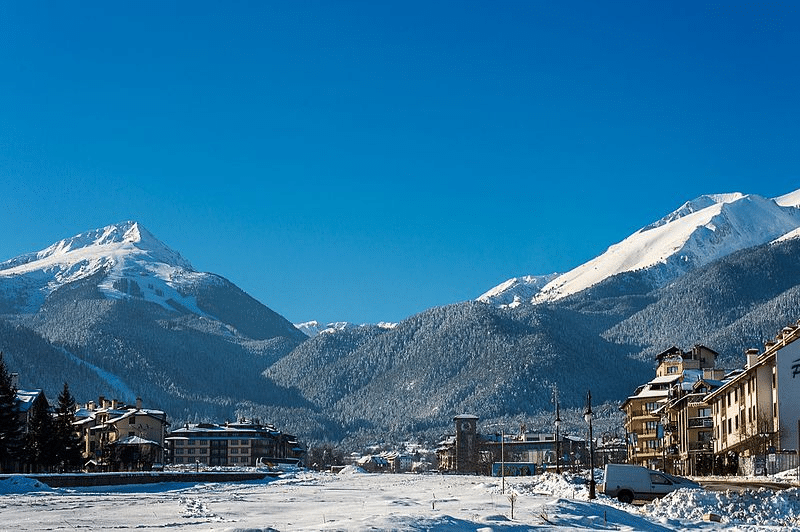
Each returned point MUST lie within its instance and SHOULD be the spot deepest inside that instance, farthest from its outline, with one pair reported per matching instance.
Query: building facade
(119, 436)
(245, 443)
(647, 422)
(756, 413)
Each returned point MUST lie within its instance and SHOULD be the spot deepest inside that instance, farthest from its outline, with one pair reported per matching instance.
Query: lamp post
(503, 459)
(557, 423)
(588, 417)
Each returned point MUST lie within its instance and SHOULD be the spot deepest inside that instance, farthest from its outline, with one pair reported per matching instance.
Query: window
(651, 406)
(132, 420)
(655, 478)
(651, 426)
(234, 450)
(202, 442)
(179, 460)
(131, 433)
(703, 412)
(672, 369)
(178, 451)
(191, 451)
(729, 426)
(652, 444)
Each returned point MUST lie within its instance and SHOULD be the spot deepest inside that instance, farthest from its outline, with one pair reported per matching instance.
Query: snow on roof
(665, 379)
(26, 398)
(648, 392)
(134, 440)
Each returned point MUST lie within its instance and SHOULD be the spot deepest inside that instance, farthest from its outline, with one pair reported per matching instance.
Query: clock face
(465, 425)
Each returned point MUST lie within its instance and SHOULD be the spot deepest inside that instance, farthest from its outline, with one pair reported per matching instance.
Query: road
(740, 485)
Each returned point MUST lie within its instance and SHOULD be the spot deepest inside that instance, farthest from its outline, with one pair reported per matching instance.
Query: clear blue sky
(365, 161)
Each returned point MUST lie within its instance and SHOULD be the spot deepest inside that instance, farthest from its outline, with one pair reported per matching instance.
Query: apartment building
(245, 443)
(756, 413)
(121, 436)
(689, 426)
(647, 422)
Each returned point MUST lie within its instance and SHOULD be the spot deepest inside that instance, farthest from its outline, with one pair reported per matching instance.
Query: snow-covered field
(354, 500)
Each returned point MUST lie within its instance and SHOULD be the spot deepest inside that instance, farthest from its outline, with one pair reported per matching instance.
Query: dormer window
(672, 369)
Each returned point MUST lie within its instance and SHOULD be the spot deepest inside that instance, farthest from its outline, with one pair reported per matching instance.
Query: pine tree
(40, 443)
(68, 442)
(10, 424)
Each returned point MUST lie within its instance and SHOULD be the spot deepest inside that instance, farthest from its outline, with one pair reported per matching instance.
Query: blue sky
(365, 161)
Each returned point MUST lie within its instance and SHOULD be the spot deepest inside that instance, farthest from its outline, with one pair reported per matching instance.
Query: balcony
(701, 446)
(701, 422)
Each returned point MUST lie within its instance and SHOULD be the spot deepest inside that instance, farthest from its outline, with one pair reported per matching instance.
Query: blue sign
(513, 469)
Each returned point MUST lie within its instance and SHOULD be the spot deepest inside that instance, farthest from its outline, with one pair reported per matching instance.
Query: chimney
(114, 404)
(101, 402)
(138, 403)
(15, 381)
(752, 357)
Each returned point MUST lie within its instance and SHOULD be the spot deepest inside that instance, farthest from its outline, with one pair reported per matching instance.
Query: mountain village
(693, 417)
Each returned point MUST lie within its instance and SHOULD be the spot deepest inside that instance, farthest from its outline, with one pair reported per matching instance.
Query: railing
(701, 422)
(701, 446)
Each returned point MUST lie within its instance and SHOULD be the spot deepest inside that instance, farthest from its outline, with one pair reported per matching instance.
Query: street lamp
(557, 423)
(503, 459)
(588, 417)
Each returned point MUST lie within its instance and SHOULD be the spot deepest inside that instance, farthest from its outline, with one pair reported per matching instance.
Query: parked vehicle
(632, 482)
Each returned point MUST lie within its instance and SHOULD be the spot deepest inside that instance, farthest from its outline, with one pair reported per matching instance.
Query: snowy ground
(357, 501)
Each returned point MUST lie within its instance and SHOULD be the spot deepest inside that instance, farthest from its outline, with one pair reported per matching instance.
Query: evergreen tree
(68, 442)
(10, 424)
(40, 442)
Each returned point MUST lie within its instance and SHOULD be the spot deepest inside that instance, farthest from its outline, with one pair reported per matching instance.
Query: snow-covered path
(360, 502)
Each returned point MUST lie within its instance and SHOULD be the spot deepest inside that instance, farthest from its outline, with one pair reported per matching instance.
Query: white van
(632, 482)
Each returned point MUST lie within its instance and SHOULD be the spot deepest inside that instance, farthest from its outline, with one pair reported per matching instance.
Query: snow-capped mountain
(130, 260)
(698, 233)
(115, 311)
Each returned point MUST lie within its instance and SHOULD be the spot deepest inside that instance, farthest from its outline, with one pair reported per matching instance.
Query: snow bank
(19, 484)
(352, 470)
(761, 507)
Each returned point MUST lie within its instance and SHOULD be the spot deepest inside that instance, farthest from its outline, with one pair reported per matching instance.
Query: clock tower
(466, 443)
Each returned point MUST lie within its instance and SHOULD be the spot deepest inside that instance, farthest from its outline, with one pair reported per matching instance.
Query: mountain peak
(125, 252)
(120, 238)
(698, 204)
(698, 232)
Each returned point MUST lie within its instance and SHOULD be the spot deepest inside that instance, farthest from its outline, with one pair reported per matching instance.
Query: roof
(134, 440)
(465, 416)
(26, 398)
(666, 379)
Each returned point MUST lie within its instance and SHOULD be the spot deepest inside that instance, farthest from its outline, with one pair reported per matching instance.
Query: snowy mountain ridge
(131, 261)
(700, 231)
(314, 328)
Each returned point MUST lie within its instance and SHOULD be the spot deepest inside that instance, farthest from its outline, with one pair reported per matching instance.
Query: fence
(762, 465)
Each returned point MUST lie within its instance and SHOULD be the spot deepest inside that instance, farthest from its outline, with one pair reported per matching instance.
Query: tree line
(41, 439)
